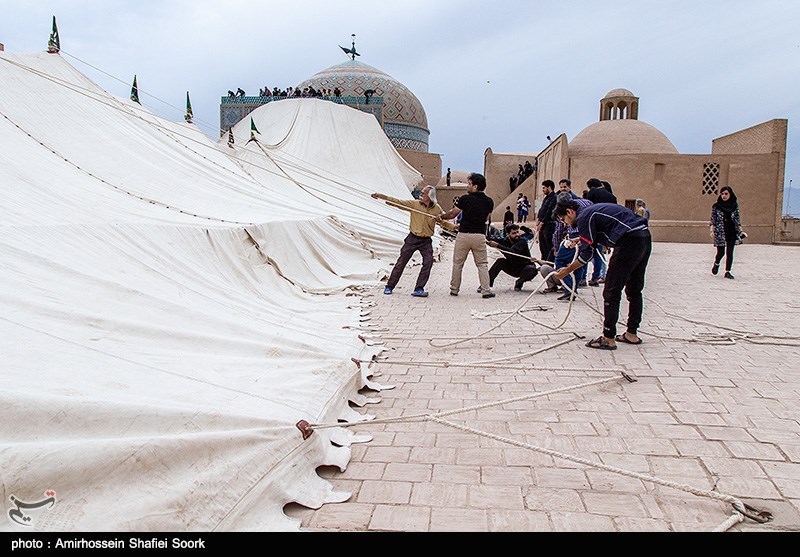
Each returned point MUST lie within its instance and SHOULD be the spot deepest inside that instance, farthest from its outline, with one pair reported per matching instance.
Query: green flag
(135, 91)
(253, 127)
(188, 116)
(54, 44)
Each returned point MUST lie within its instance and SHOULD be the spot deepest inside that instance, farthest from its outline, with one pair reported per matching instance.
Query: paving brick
(581, 522)
(459, 520)
(552, 499)
(373, 491)
(495, 497)
(506, 475)
(614, 504)
(518, 521)
(456, 474)
(352, 517)
(400, 519)
(439, 495)
(408, 472)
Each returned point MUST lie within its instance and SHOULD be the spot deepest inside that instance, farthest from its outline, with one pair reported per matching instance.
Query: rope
(445, 365)
(421, 417)
(715, 495)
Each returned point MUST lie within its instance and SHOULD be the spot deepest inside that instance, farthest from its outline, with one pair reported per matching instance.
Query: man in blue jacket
(612, 225)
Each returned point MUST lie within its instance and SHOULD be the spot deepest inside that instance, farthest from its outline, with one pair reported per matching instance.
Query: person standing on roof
(421, 229)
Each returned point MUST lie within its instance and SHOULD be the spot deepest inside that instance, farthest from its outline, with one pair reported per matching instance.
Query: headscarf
(730, 205)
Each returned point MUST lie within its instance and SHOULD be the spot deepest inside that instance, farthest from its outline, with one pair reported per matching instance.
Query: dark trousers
(626, 270)
(522, 274)
(413, 243)
(546, 241)
(723, 250)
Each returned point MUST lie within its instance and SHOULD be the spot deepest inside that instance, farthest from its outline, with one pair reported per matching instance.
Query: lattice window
(711, 178)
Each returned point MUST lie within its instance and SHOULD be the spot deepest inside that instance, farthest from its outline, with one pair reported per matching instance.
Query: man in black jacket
(598, 193)
(475, 208)
(516, 260)
(547, 225)
(612, 225)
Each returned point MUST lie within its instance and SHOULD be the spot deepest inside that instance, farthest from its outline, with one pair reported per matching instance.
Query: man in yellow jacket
(421, 229)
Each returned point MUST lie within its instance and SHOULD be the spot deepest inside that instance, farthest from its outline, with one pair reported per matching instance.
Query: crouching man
(516, 260)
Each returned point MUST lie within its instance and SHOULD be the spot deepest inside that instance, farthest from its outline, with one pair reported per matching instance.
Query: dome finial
(351, 51)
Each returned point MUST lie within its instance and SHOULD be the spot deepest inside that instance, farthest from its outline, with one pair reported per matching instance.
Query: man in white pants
(475, 208)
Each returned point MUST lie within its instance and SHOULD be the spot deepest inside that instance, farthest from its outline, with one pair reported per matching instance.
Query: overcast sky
(502, 74)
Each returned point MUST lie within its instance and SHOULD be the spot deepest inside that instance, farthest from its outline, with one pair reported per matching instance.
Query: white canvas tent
(170, 307)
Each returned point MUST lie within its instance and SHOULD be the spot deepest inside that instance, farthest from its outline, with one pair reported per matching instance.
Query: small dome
(618, 93)
(457, 177)
(620, 137)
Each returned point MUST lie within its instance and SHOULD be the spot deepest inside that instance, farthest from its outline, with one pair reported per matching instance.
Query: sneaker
(489, 295)
(478, 290)
(454, 293)
(594, 282)
(419, 293)
(715, 269)
(387, 290)
(728, 275)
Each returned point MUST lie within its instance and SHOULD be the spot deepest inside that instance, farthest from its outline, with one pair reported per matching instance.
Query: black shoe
(453, 293)
(565, 297)
(728, 275)
(715, 269)
(488, 295)
(517, 288)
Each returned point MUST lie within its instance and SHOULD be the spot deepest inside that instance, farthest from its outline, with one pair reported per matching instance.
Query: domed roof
(400, 105)
(620, 137)
(457, 177)
(618, 93)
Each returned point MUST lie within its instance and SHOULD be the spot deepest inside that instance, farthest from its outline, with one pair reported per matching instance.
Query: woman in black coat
(726, 229)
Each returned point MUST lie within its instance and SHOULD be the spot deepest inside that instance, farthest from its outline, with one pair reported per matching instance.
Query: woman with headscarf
(726, 229)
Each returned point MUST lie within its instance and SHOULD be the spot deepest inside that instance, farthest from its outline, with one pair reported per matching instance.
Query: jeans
(564, 257)
(599, 266)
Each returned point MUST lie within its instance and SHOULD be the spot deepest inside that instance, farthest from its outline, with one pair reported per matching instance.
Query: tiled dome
(620, 137)
(404, 118)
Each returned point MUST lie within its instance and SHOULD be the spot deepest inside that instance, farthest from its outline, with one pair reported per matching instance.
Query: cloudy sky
(502, 74)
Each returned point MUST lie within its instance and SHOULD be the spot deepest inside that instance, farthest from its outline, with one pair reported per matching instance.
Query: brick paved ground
(724, 417)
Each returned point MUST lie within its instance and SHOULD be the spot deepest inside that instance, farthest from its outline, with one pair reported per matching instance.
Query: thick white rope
(427, 416)
(736, 517)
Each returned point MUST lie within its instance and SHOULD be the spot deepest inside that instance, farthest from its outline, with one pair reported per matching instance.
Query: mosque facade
(640, 162)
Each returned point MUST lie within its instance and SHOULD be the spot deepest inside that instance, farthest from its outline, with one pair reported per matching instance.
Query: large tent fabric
(305, 148)
(171, 308)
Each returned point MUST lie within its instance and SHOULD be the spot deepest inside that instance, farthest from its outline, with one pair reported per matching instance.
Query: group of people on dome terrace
(305, 92)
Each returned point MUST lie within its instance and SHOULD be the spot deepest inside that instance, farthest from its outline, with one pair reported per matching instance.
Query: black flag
(54, 44)
(188, 116)
(135, 91)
